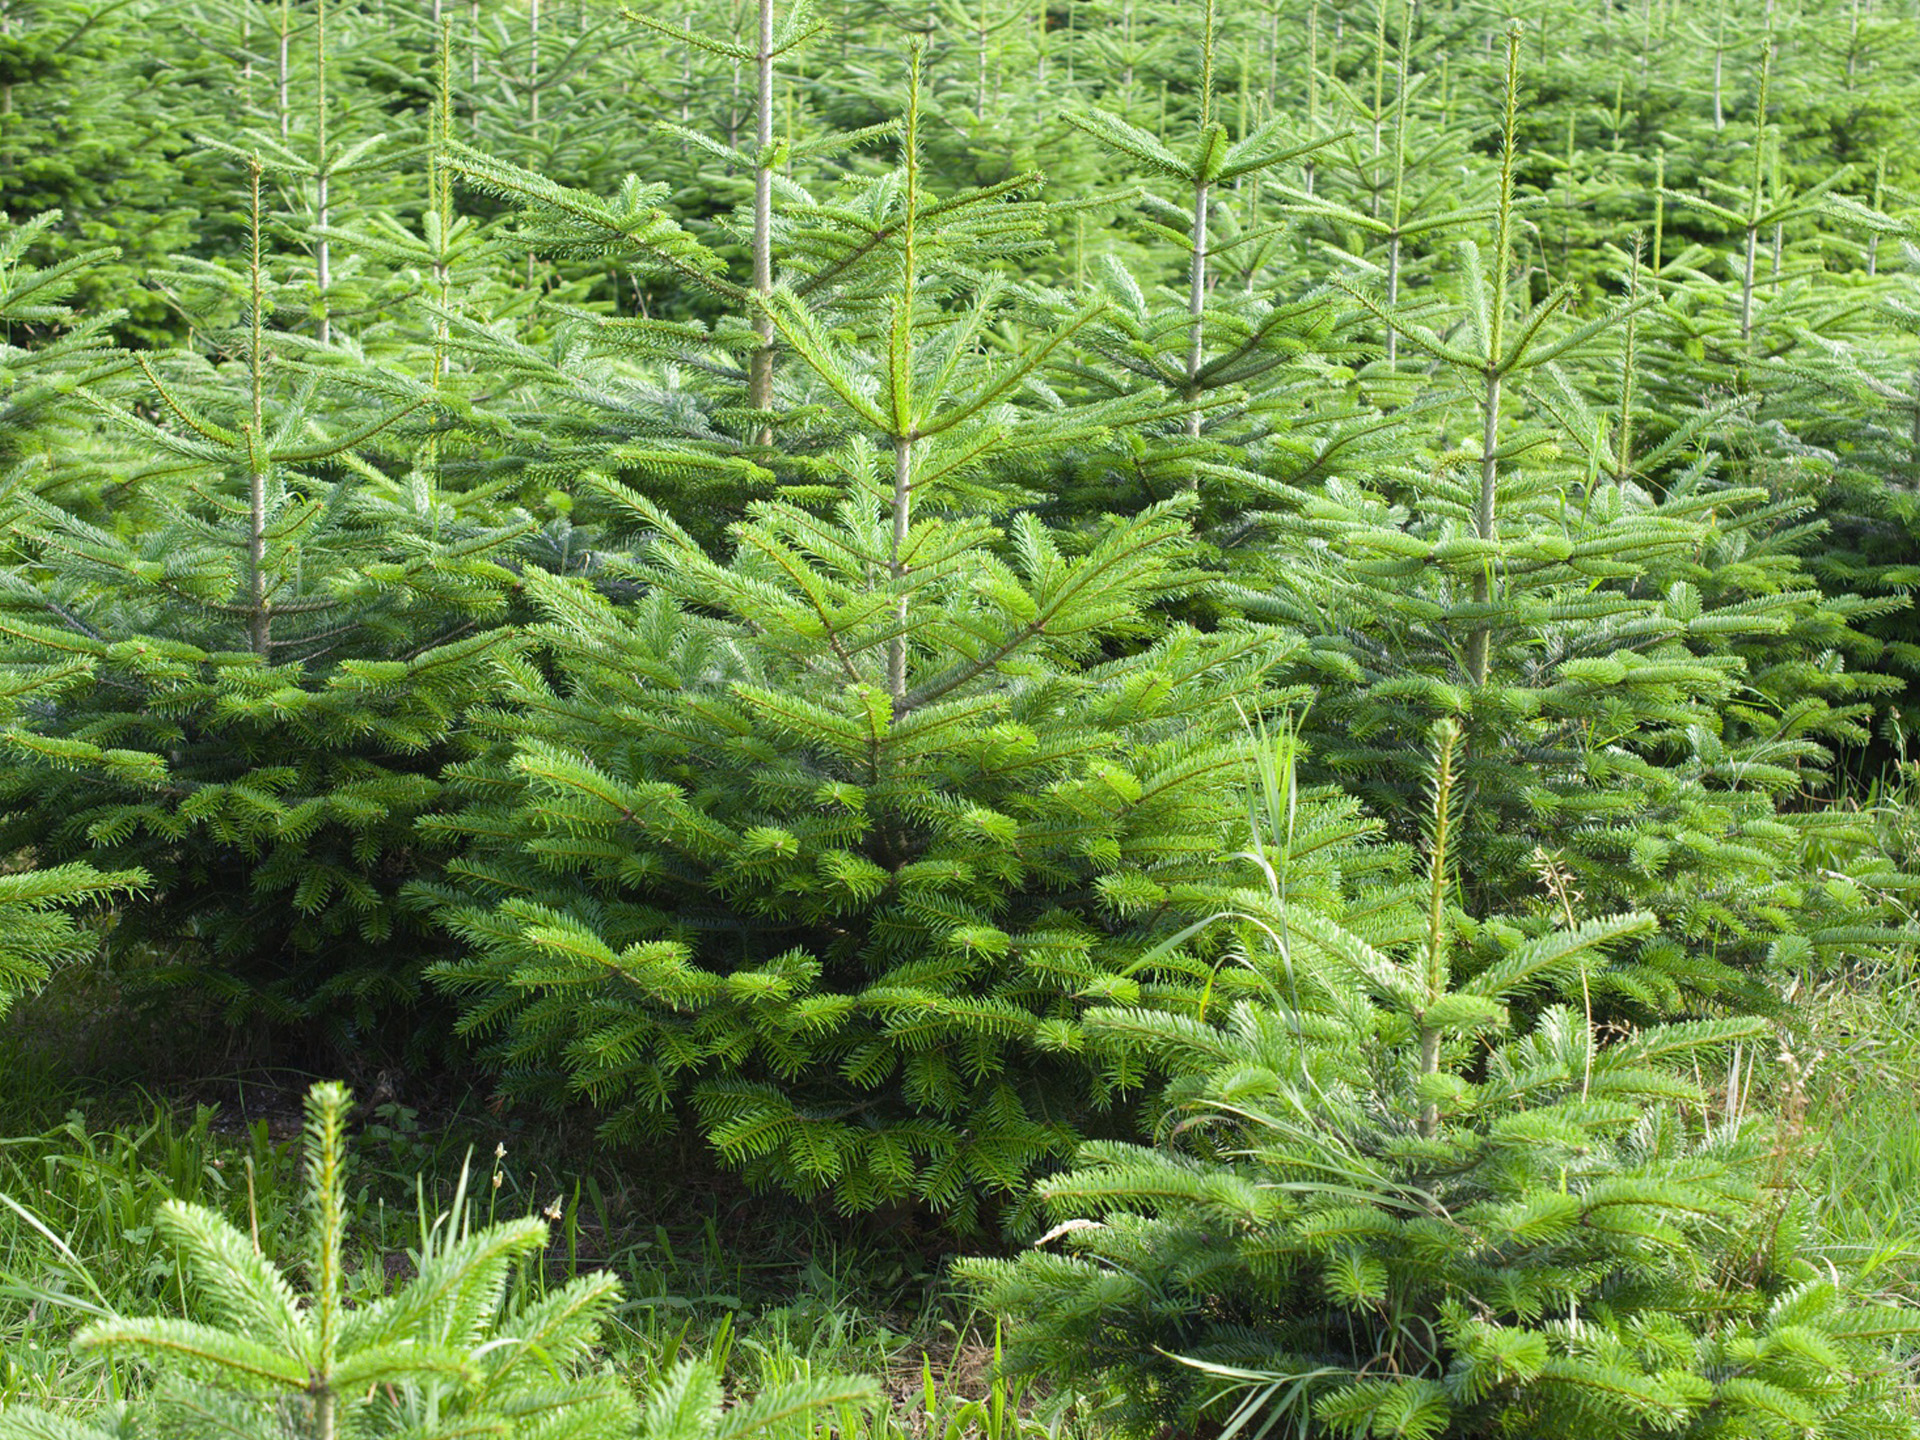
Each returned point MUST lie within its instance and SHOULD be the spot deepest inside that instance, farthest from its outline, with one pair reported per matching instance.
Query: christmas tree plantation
(750, 543)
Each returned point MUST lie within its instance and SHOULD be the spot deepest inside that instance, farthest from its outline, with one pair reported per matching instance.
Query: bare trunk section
(1486, 504)
(902, 522)
(904, 420)
(1756, 201)
(1915, 433)
(1398, 205)
(1197, 305)
(323, 258)
(1040, 48)
(760, 363)
(1197, 273)
(686, 78)
(1485, 510)
(980, 75)
(1746, 284)
(441, 194)
(1313, 90)
(323, 182)
(260, 616)
(1623, 431)
(1659, 206)
(1436, 977)
(1393, 296)
(533, 67)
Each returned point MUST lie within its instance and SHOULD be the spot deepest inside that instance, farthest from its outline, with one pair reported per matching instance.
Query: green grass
(766, 1291)
(1858, 1153)
(1849, 1083)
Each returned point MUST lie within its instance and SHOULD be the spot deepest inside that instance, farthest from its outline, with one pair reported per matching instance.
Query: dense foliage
(1381, 1208)
(749, 553)
(242, 681)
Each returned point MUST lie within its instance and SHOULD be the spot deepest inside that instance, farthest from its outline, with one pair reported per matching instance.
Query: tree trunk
(760, 363)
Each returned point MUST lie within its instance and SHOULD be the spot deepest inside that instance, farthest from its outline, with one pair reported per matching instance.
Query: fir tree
(837, 837)
(37, 930)
(1378, 1209)
(455, 1350)
(38, 934)
(1259, 338)
(96, 127)
(241, 676)
(47, 351)
(1593, 625)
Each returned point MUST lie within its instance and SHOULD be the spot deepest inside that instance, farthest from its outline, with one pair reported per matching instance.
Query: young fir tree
(1243, 350)
(1272, 358)
(241, 672)
(835, 838)
(1380, 1208)
(1642, 685)
(47, 352)
(313, 139)
(457, 1349)
(1386, 199)
(1816, 362)
(604, 394)
(682, 404)
(1868, 432)
(37, 930)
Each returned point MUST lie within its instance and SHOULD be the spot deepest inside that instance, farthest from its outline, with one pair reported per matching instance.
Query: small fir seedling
(455, 1350)
(445, 1353)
